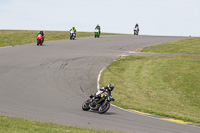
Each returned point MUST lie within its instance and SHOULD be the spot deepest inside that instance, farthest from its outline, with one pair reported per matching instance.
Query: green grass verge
(184, 46)
(17, 125)
(16, 37)
(162, 85)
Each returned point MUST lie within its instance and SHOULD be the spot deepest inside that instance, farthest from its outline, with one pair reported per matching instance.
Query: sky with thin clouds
(155, 17)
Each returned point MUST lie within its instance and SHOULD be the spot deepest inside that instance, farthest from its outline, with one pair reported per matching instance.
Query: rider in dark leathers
(97, 96)
(137, 27)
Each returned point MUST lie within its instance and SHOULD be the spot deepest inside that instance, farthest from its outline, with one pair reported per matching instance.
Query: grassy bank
(162, 85)
(16, 37)
(185, 46)
(17, 125)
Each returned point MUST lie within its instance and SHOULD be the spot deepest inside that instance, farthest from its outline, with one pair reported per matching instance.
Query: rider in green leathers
(99, 28)
(74, 29)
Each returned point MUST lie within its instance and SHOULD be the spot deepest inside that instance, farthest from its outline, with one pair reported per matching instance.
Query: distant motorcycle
(135, 31)
(39, 39)
(101, 107)
(96, 33)
(72, 35)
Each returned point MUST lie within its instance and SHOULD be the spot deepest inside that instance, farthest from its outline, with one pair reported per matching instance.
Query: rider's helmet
(111, 87)
(98, 25)
(73, 28)
(41, 32)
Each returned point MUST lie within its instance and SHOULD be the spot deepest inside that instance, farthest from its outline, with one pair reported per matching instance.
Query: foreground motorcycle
(39, 39)
(96, 33)
(72, 35)
(102, 107)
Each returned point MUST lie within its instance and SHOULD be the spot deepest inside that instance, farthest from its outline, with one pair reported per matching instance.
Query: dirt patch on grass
(119, 58)
(138, 50)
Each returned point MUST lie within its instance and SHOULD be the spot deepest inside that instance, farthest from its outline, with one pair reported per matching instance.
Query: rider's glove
(91, 96)
(111, 98)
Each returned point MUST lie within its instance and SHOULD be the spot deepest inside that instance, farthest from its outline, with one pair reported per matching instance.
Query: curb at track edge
(146, 114)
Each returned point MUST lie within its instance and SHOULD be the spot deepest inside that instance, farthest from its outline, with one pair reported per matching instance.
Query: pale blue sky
(155, 17)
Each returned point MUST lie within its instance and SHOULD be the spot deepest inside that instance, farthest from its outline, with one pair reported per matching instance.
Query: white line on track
(6, 47)
(11, 46)
(98, 79)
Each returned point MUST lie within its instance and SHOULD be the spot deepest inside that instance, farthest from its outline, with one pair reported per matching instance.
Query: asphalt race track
(49, 83)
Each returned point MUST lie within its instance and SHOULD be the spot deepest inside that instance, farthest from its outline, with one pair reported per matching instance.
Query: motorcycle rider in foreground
(74, 29)
(97, 96)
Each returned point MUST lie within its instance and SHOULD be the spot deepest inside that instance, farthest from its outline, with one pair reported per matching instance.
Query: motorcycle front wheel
(85, 105)
(104, 108)
(38, 42)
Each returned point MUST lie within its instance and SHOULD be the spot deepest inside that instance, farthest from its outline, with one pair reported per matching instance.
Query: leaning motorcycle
(39, 39)
(96, 33)
(72, 35)
(101, 107)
